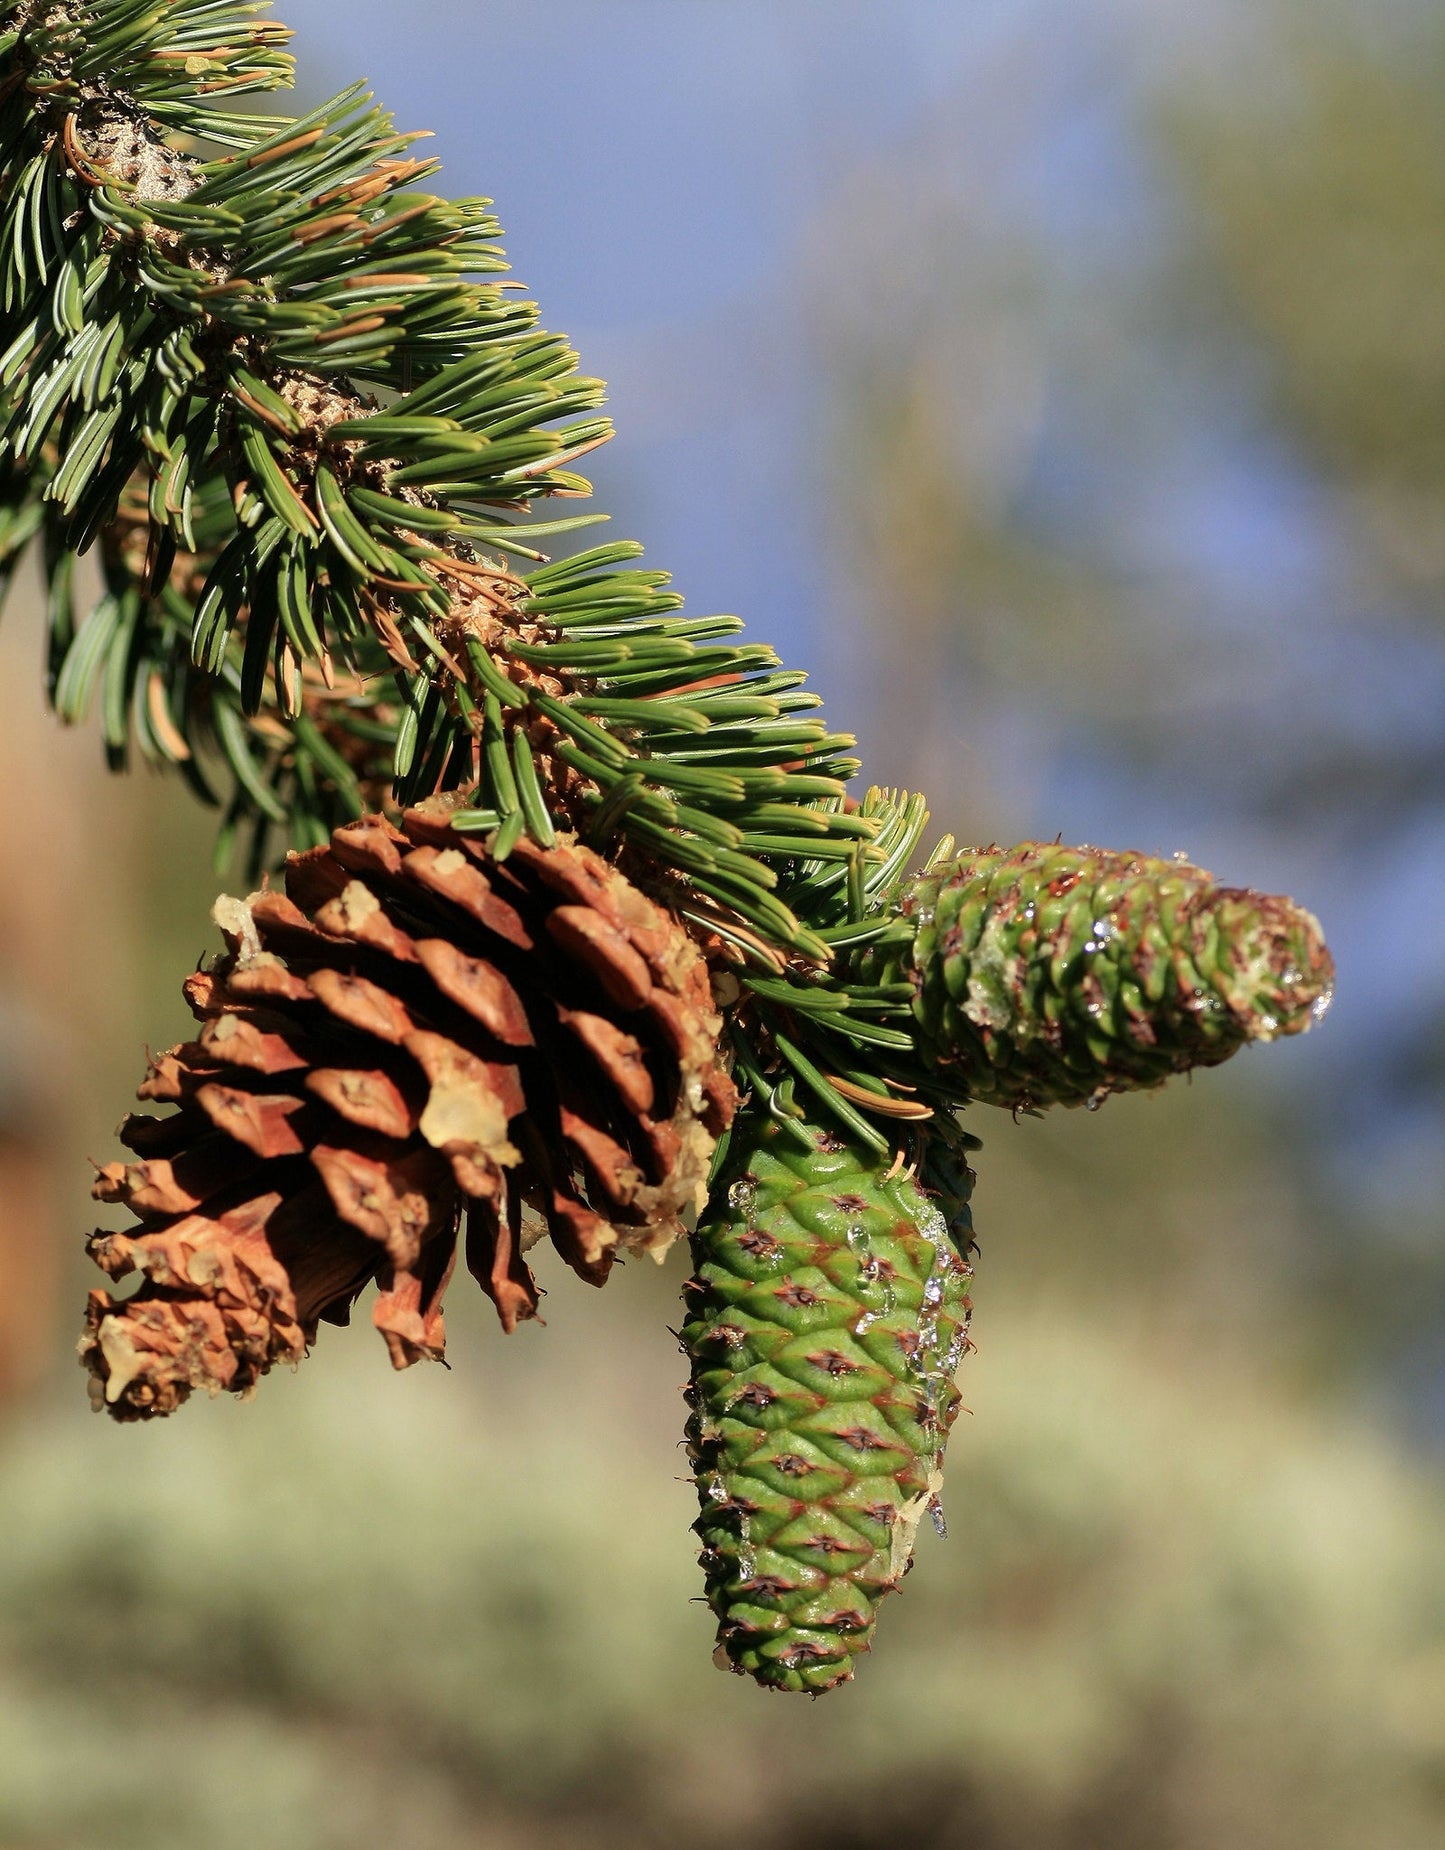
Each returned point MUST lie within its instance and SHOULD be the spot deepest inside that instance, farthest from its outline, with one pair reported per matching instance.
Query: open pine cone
(412, 1034)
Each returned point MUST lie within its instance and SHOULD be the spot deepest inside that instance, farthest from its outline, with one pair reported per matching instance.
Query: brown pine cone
(411, 1035)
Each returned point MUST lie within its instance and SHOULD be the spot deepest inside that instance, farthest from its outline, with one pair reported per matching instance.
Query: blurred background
(1065, 386)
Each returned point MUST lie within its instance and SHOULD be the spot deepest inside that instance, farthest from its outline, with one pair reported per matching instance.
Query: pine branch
(285, 394)
(287, 351)
(271, 387)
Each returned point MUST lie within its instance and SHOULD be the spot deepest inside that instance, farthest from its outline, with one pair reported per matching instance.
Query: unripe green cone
(827, 1316)
(1046, 975)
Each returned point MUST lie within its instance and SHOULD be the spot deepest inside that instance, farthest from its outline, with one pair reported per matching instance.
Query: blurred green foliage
(1322, 196)
(1175, 1608)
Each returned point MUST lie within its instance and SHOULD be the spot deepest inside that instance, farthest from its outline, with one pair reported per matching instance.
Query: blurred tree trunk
(68, 940)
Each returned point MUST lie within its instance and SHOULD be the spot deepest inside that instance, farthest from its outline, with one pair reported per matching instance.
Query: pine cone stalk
(412, 1037)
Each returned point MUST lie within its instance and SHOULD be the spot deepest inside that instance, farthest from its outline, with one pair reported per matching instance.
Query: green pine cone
(827, 1316)
(1045, 975)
